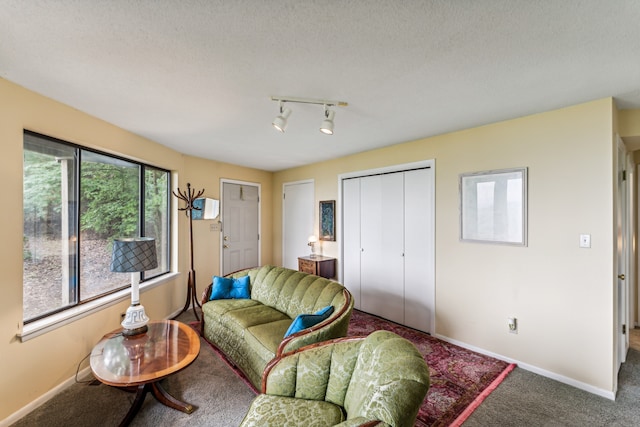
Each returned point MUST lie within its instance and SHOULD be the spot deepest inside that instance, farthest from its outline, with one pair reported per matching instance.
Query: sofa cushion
(304, 321)
(266, 338)
(241, 319)
(230, 288)
(277, 411)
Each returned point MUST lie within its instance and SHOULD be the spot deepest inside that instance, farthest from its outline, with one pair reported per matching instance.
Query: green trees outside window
(76, 201)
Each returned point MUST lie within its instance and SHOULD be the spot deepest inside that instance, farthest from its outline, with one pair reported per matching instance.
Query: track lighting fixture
(280, 122)
(327, 124)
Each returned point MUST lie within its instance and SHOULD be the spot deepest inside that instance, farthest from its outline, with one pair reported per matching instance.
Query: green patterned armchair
(379, 380)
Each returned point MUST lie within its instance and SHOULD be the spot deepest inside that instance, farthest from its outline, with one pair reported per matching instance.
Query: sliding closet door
(382, 237)
(419, 279)
(351, 235)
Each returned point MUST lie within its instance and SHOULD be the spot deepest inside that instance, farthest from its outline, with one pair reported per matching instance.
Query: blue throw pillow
(304, 321)
(228, 288)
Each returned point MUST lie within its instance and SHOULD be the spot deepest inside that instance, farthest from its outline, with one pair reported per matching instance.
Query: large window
(76, 201)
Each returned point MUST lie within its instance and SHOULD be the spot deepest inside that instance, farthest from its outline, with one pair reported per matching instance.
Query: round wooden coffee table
(143, 360)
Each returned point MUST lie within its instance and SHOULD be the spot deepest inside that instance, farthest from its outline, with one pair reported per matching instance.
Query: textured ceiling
(197, 76)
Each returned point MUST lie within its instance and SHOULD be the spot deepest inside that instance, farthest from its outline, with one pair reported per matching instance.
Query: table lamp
(312, 242)
(133, 256)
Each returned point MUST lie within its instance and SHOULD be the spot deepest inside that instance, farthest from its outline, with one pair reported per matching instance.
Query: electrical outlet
(512, 323)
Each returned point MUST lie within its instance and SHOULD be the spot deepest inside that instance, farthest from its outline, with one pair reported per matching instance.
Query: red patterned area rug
(460, 379)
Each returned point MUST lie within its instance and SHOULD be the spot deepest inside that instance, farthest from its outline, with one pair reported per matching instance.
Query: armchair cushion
(289, 411)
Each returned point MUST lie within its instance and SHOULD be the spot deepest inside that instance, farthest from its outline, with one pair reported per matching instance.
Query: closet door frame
(430, 217)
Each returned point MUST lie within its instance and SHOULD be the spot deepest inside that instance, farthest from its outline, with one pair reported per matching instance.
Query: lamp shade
(135, 254)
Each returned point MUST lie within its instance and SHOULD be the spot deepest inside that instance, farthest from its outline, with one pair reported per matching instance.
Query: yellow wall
(206, 174)
(32, 368)
(562, 295)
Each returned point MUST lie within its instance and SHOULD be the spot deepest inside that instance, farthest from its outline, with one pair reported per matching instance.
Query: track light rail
(325, 102)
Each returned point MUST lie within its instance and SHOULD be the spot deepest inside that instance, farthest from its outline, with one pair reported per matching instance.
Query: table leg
(166, 399)
(141, 393)
(161, 396)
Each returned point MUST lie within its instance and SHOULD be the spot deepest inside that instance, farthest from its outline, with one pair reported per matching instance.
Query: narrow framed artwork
(493, 206)
(328, 220)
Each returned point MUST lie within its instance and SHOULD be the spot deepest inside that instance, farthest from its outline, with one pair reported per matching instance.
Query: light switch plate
(585, 240)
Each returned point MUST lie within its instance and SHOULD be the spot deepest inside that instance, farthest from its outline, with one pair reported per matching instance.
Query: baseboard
(536, 370)
(35, 404)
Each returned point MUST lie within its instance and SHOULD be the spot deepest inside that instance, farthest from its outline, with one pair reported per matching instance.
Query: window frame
(63, 314)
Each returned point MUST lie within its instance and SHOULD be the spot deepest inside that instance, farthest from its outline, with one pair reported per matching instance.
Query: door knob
(225, 246)
(621, 276)
(225, 238)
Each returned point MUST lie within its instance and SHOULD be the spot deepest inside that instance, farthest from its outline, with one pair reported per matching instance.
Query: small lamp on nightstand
(312, 242)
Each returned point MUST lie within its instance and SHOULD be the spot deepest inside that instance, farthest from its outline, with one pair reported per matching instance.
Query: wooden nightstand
(319, 265)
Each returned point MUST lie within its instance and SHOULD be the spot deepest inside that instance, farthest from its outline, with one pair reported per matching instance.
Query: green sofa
(250, 332)
(380, 380)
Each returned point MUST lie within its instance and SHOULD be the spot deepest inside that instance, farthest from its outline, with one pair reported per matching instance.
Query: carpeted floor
(221, 397)
(460, 378)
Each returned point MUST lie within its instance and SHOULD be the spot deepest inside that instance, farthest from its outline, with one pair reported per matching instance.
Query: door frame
(221, 242)
(624, 263)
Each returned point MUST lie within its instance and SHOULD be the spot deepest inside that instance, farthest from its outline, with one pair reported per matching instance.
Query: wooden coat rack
(189, 197)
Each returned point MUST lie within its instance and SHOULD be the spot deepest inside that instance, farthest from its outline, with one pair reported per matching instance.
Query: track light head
(327, 124)
(280, 122)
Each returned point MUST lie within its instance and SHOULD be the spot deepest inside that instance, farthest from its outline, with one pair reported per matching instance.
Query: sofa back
(293, 292)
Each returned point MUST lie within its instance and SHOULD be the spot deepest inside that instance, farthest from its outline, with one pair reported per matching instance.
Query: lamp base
(134, 332)
(135, 321)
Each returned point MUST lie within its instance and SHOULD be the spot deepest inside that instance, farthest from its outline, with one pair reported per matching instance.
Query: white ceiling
(197, 75)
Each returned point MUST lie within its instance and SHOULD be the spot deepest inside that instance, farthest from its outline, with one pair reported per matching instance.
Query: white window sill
(55, 321)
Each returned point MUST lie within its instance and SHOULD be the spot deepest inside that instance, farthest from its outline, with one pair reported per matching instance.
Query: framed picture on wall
(328, 220)
(493, 206)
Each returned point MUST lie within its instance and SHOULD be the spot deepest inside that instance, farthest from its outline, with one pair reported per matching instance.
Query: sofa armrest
(206, 294)
(334, 327)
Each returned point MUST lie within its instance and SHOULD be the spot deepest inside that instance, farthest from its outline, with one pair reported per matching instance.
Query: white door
(419, 252)
(388, 235)
(352, 247)
(382, 237)
(298, 218)
(240, 226)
